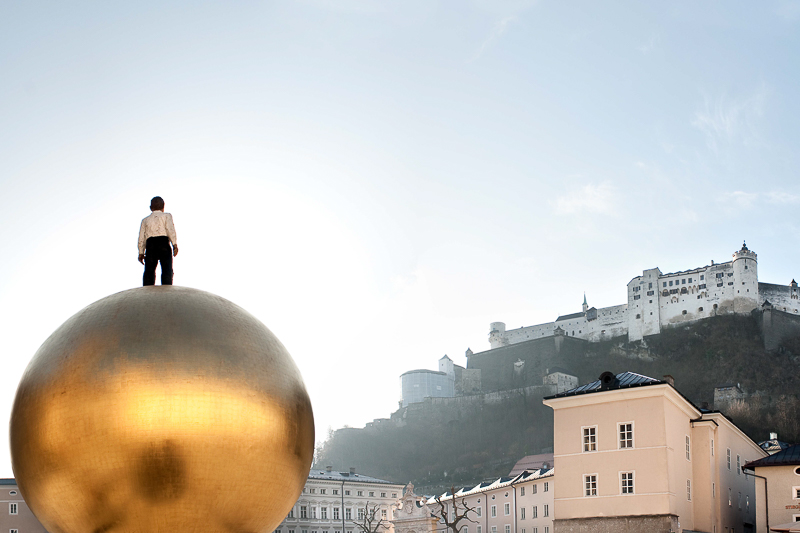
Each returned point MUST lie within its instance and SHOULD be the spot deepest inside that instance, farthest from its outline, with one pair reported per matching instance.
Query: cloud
(597, 199)
(651, 43)
(497, 31)
(728, 121)
(748, 200)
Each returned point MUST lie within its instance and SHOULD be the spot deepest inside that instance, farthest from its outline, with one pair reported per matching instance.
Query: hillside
(469, 442)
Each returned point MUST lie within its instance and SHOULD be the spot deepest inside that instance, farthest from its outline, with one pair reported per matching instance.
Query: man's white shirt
(157, 224)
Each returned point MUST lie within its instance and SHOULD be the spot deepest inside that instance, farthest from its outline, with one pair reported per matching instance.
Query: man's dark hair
(157, 203)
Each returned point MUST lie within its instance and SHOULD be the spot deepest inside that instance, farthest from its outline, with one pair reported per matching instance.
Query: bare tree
(371, 520)
(452, 520)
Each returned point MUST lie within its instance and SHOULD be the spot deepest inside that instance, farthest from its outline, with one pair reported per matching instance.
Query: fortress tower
(745, 276)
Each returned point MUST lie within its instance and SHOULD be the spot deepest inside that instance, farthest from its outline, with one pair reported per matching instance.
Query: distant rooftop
(531, 462)
(8, 481)
(567, 317)
(346, 476)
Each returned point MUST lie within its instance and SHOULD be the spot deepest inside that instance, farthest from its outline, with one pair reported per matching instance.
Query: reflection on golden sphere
(161, 409)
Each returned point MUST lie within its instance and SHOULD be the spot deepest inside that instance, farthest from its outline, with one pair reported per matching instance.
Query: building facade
(15, 516)
(777, 487)
(633, 454)
(333, 502)
(656, 300)
(513, 504)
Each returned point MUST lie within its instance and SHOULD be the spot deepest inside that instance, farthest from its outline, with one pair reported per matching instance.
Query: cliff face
(437, 444)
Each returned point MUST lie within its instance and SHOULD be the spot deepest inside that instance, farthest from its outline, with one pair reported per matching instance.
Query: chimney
(328, 469)
(773, 436)
(352, 470)
(669, 379)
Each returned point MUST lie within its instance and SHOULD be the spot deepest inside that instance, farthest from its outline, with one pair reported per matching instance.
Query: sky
(377, 181)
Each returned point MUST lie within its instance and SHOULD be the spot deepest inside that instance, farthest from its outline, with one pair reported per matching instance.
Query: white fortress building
(657, 301)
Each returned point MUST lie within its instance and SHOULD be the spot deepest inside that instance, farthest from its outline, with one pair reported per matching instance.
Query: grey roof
(789, 456)
(8, 481)
(567, 317)
(773, 445)
(347, 476)
(424, 371)
(622, 381)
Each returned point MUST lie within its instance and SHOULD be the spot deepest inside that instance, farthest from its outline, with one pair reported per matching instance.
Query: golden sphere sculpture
(161, 409)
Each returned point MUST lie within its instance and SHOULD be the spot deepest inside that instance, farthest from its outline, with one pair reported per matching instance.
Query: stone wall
(618, 524)
(777, 326)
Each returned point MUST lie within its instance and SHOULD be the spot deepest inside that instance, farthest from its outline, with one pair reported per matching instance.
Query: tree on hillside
(450, 514)
(370, 519)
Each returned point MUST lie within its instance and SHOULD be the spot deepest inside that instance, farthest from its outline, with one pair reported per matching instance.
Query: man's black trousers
(157, 249)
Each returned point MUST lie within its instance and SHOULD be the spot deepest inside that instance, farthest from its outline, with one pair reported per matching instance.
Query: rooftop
(567, 317)
(531, 462)
(8, 481)
(346, 476)
(609, 381)
(789, 456)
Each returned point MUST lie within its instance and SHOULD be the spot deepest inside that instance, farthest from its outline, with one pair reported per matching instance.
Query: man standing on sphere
(155, 235)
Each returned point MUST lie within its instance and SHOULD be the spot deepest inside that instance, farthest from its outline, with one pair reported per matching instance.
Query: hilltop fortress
(657, 301)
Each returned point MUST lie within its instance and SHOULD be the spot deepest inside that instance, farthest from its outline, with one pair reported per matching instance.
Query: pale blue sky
(377, 181)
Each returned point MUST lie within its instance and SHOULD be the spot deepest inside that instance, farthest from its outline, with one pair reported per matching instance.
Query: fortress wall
(782, 297)
(777, 326)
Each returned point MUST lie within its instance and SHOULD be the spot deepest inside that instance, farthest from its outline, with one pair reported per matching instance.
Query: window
(361, 513)
(508, 528)
(689, 489)
(522, 513)
(665, 284)
(730, 500)
(322, 491)
(713, 490)
(626, 482)
(291, 513)
(383, 494)
(478, 511)
(371, 494)
(465, 529)
(546, 529)
(729, 458)
(590, 439)
(590, 485)
(493, 512)
(740, 500)
(347, 493)
(522, 491)
(626, 435)
(383, 514)
(688, 448)
(17, 531)
(738, 465)
(546, 510)
(323, 513)
(494, 529)
(683, 282)
(535, 487)
(702, 277)
(712, 447)
(359, 493)
(480, 529)
(747, 503)
(348, 513)
(670, 283)
(335, 491)
(336, 513)
(546, 486)
(12, 492)
(313, 512)
(394, 495)
(535, 512)
(12, 508)
(507, 509)
(303, 511)
(795, 495)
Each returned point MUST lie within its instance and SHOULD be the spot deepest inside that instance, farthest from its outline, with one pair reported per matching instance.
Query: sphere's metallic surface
(161, 409)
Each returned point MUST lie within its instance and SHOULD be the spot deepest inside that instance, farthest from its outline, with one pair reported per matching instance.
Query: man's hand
(174, 251)
(141, 258)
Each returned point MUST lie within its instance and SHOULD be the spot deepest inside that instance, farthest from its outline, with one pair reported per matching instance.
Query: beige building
(777, 488)
(514, 504)
(331, 502)
(15, 517)
(634, 455)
